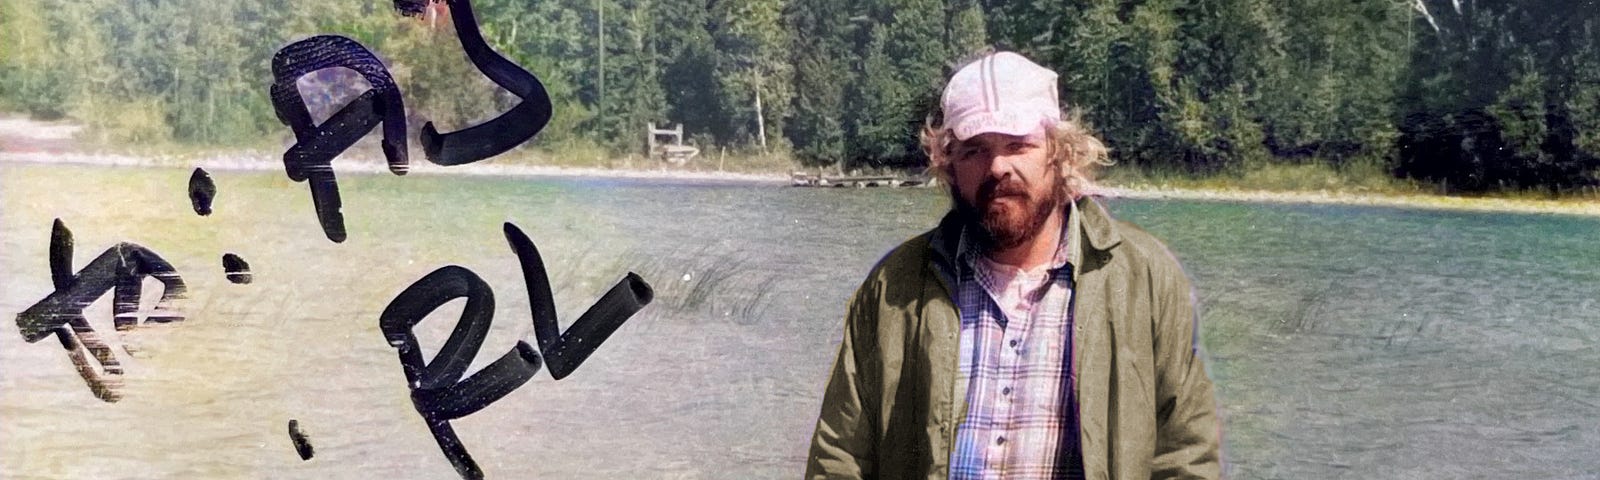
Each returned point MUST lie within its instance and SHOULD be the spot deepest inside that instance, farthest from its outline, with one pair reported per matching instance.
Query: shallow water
(1345, 341)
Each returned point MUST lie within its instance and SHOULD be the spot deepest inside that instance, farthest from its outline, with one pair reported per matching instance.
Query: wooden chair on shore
(675, 152)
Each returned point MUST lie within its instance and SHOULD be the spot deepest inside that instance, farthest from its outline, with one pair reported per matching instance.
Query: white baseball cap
(1002, 92)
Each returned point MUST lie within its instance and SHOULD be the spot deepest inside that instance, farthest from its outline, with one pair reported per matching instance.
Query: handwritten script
(438, 391)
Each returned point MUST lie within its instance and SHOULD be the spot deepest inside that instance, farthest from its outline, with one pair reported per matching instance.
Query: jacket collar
(1095, 226)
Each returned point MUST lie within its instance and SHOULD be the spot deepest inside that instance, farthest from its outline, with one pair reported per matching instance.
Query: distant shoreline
(1420, 201)
(262, 162)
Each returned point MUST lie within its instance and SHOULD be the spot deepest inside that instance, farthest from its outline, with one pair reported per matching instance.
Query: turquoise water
(1380, 342)
(1345, 341)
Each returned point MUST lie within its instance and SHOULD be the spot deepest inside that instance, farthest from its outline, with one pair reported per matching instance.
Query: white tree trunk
(761, 124)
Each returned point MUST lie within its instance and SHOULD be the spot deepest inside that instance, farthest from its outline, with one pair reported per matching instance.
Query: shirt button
(1000, 441)
(1005, 391)
(1013, 343)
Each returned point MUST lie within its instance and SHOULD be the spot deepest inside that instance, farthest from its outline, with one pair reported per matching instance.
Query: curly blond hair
(1075, 150)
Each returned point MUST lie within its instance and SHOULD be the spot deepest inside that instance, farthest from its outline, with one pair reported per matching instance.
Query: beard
(1007, 214)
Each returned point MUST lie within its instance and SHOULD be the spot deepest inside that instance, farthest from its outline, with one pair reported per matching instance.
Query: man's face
(1005, 184)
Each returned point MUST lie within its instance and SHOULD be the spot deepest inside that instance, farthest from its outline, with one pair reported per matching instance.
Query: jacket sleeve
(845, 440)
(1187, 432)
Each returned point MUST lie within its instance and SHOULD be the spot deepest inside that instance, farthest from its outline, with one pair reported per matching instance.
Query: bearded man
(1029, 334)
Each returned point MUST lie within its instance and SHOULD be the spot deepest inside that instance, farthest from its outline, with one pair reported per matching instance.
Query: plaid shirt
(1016, 355)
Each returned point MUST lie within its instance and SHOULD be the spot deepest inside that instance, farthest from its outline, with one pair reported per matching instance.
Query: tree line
(1467, 94)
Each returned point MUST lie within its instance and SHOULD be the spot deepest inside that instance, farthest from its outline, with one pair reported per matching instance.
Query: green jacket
(1146, 407)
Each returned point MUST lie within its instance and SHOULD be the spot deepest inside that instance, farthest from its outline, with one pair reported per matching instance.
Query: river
(1345, 342)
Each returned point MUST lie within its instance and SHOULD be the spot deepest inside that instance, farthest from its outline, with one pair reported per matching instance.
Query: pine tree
(752, 68)
(548, 39)
(633, 78)
(902, 72)
(820, 51)
(686, 54)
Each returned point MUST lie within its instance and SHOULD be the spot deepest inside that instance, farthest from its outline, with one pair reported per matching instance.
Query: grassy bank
(1319, 184)
(1358, 179)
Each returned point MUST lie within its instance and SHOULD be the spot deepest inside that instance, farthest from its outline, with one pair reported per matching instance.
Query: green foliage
(633, 94)
(751, 63)
(883, 106)
(1488, 98)
(965, 30)
(550, 40)
(1478, 95)
(1520, 112)
(29, 79)
(686, 53)
(439, 83)
(137, 122)
(901, 75)
(1584, 102)
(821, 46)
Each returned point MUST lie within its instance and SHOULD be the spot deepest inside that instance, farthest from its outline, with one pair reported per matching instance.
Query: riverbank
(25, 140)
(251, 161)
(1437, 202)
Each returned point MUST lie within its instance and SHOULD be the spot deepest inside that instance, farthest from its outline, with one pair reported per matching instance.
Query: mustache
(993, 188)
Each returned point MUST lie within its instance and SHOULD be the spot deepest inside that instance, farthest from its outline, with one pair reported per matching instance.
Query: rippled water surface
(1345, 342)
